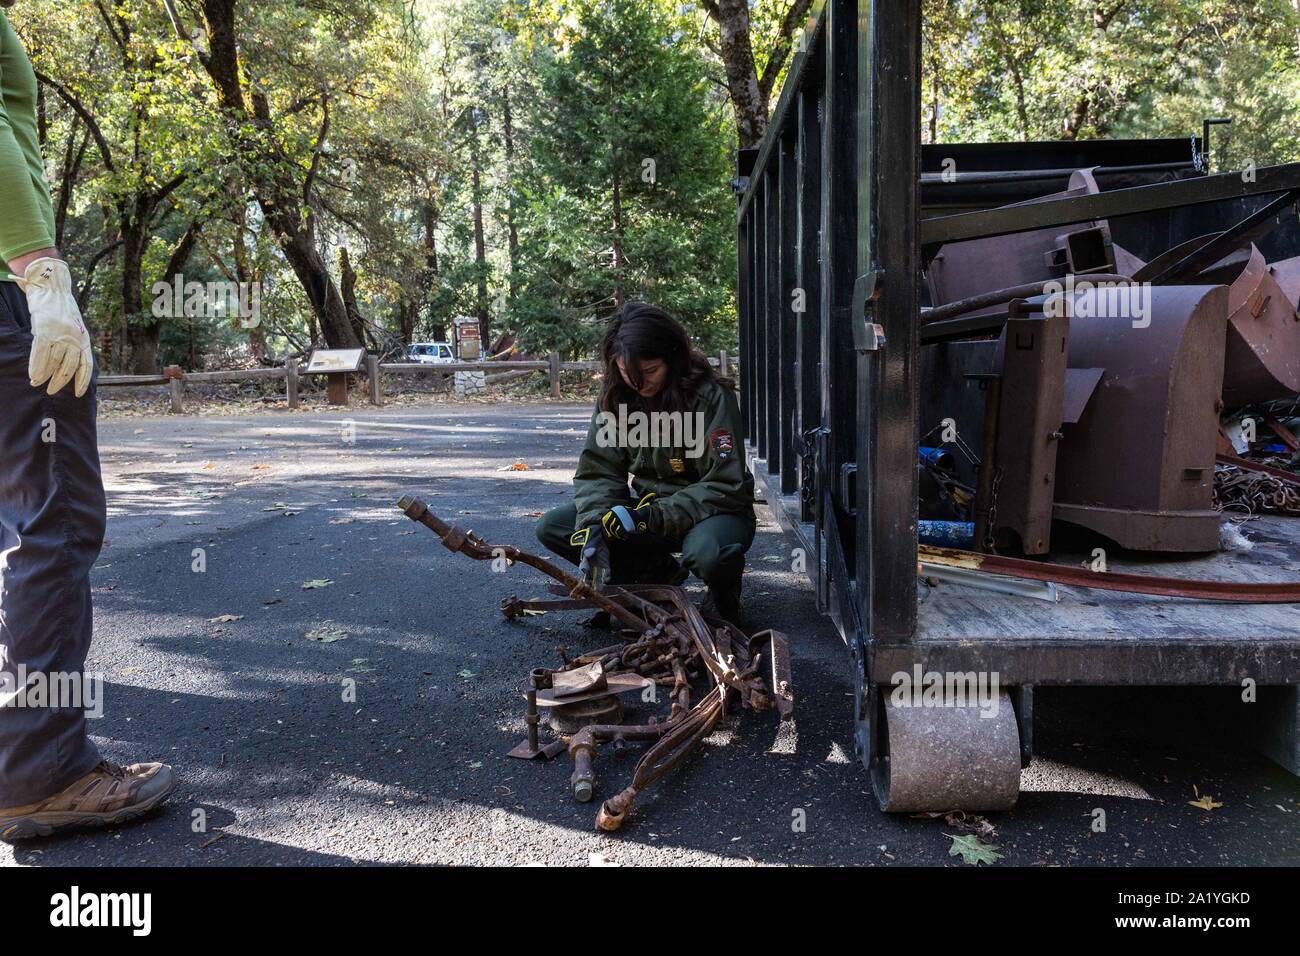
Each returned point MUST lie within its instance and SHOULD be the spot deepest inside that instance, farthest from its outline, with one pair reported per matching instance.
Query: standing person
(51, 504)
(690, 490)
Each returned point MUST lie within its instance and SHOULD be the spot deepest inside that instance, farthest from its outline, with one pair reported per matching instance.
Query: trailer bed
(1102, 637)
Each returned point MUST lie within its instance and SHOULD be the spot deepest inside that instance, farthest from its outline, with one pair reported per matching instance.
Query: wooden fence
(175, 380)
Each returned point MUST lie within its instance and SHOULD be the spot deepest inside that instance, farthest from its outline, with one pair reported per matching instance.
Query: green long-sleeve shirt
(26, 213)
(693, 482)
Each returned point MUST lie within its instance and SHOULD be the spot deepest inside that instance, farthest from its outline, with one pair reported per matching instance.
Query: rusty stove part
(1262, 354)
(667, 638)
(963, 269)
(569, 719)
(1138, 465)
(1262, 357)
(1027, 406)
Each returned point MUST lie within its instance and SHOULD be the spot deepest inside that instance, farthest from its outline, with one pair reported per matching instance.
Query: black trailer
(838, 208)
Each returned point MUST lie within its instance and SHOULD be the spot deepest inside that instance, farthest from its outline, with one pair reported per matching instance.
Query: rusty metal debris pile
(665, 643)
(1103, 386)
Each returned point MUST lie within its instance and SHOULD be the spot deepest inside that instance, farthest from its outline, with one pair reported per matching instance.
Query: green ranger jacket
(694, 463)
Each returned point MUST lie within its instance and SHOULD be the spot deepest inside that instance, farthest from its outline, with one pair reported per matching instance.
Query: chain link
(993, 512)
(1236, 489)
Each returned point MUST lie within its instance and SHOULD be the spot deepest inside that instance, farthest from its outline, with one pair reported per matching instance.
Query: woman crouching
(670, 424)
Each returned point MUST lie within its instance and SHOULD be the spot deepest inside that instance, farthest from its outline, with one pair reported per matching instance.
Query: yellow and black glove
(622, 523)
(593, 566)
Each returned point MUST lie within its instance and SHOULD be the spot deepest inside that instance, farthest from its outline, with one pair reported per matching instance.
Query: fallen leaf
(225, 618)
(465, 674)
(972, 850)
(1206, 802)
(326, 635)
(317, 583)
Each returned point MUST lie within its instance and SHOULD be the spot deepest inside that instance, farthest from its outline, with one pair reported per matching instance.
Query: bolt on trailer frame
(830, 241)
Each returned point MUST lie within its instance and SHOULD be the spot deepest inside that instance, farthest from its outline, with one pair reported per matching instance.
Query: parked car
(431, 353)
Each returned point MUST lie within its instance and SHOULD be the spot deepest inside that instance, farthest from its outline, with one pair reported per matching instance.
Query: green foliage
(626, 187)
(1082, 69)
(536, 161)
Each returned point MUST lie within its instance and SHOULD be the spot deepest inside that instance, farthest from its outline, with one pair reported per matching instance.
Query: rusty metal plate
(580, 680)
(1033, 356)
(1138, 466)
(1262, 358)
(614, 684)
(1080, 383)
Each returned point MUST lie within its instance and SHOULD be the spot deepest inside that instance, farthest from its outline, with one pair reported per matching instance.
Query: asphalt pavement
(383, 740)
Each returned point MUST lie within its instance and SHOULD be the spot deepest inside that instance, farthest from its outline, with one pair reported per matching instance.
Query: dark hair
(641, 331)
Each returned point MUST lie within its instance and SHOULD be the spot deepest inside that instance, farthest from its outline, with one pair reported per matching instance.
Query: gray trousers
(51, 530)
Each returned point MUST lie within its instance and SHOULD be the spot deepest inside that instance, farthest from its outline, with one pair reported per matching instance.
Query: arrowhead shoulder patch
(724, 444)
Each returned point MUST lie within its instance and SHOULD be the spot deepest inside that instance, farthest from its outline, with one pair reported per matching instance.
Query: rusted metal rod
(469, 544)
(1241, 592)
(986, 300)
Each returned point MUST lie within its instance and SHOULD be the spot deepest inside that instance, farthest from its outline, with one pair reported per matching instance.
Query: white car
(431, 353)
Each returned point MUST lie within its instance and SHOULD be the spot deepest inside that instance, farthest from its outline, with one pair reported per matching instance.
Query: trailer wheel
(946, 758)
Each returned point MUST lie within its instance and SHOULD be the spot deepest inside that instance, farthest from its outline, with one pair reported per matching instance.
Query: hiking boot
(106, 796)
(723, 602)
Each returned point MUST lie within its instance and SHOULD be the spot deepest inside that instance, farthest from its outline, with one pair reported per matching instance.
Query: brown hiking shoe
(106, 796)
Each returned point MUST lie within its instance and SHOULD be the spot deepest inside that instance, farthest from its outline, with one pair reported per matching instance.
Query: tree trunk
(732, 17)
(480, 246)
(283, 200)
(750, 92)
(512, 228)
(143, 327)
(348, 289)
(299, 249)
(617, 221)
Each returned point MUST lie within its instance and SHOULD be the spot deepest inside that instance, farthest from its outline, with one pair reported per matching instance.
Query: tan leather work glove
(60, 343)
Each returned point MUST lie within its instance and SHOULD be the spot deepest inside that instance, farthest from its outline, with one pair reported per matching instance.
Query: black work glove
(622, 523)
(593, 567)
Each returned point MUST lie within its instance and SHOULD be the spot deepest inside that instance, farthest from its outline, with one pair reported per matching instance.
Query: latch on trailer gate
(867, 336)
